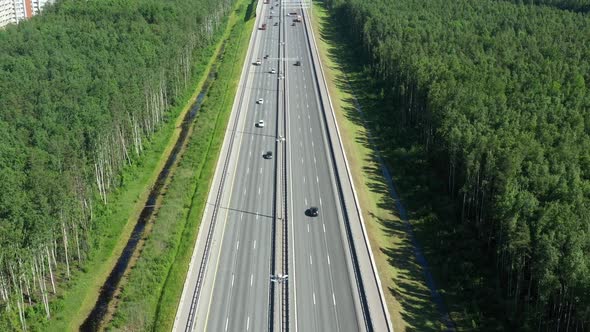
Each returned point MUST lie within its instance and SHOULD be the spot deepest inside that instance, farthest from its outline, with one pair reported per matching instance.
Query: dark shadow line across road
(243, 211)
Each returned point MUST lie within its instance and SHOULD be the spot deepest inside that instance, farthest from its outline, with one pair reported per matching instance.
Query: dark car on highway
(267, 155)
(312, 212)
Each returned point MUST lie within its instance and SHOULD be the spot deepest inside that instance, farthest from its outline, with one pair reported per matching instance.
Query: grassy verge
(115, 222)
(150, 297)
(407, 295)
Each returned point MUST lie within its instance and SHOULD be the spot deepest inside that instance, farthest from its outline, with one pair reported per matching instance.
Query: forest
(573, 5)
(82, 89)
(497, 95)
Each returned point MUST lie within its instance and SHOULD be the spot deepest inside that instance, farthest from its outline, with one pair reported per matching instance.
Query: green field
(153, 287)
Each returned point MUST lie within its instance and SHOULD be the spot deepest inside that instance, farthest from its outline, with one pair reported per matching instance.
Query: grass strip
(114, 222)
(150, 297)
(406, 293)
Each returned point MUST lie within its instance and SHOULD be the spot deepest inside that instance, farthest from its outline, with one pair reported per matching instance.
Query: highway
(235, 294)
(322, 293)
(255, 225)
(240, 299)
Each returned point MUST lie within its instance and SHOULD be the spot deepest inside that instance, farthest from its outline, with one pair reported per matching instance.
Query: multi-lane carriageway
(260, 263)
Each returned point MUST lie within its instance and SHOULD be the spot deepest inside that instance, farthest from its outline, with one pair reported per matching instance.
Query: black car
(267, 155)
(298, 63)
(312, 212)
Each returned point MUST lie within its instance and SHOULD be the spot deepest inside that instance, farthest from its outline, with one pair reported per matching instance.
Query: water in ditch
(98, 313)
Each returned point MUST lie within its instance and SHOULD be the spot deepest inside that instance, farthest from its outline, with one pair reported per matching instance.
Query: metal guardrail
(285, 262)
(276, 210)
(281, 269)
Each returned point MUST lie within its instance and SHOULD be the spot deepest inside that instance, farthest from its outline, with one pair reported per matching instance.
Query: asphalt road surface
(322, 290)
(240, 300)
(234, 290)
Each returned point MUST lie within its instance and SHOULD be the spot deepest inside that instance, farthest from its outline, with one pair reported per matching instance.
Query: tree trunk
(124, 146)
(65, 240)
(28, 288)
(42, 287)
(50, 270)
(20, 305)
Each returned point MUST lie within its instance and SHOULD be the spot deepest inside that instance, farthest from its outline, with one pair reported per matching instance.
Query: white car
(258, 62)
(273, 71)
(260, 124)
(260, 101)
